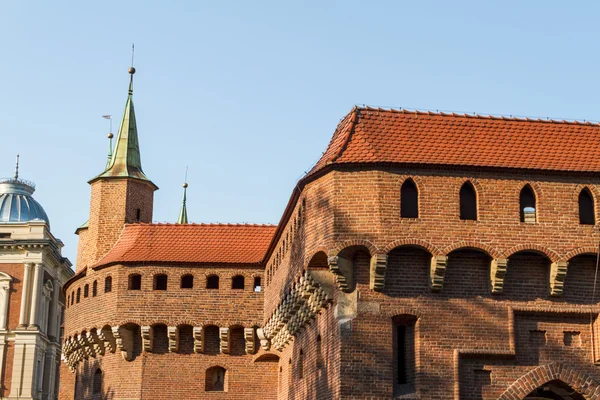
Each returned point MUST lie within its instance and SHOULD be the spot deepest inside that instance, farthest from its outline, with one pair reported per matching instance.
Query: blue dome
(16, 203)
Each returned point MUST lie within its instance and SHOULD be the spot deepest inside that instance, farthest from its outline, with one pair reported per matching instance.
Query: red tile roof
(370, 135)
(190, 243)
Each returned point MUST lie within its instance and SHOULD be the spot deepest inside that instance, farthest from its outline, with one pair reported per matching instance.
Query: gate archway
(557, 379)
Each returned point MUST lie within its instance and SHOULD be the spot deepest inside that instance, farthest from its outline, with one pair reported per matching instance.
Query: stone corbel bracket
(249, 336)
(342, 268)
(437, 272)
(224, 336)
(106, 336)
(198, 339)
(124, 341)
(147, 338)
(97, 344)
(173, 333)
(558, 273)
(378, 270)
(265, 343)
(497, 273)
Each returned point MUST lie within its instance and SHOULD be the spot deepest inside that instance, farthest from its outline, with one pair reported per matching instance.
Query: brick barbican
(425, 256)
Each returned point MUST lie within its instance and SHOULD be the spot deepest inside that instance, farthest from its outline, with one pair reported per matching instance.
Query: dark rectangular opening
(135, 282)
(160, 282)
(401, 356)
(257, 287)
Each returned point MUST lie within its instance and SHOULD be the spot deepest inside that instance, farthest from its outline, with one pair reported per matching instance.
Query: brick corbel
(249, 336)
(378, 269)
(147, 338)
(173, 333)
(558, 273)
(437, 272)
(342, 269)
(497, 273)
(224, 336)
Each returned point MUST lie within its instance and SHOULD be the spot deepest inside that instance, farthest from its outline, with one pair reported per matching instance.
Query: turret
(121, 194)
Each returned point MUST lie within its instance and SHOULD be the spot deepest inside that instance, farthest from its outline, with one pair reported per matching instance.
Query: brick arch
(472, 244)
(128, 321)
(535, 378)
(537, 191)
(402, 311)
(350, 243)
(179, 274)
(155, 322)
(212, 322)
(581, 250)
(415, 178)
(307, 260)
(236, 324)
(550, 254)
(593, 190)
(183, 322)
(476, 184)
(412, 243)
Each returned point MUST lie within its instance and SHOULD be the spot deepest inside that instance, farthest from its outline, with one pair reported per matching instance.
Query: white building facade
(32, 273)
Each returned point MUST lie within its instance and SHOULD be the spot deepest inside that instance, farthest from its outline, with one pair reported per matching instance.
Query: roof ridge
(477, 116)
(134, 224)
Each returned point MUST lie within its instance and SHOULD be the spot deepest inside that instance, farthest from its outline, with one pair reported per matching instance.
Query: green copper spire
(126, 161)
(183, 219)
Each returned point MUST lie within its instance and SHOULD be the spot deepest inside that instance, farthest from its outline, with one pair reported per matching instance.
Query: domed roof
(16, 203)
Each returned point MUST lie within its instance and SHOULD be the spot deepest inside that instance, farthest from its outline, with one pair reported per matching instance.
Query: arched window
(187, 281)
(135, 282)
(587, 214)
(212, 282)
(107, 284)
(97, 383)
(468, 202)
(86, 290)
(160, 282)
(301, 364)
(237, 282)
(216, 379)
(78, 295)
(409, 200)
(527, 205)
(95, 289)
(320, 361)
(72, 297)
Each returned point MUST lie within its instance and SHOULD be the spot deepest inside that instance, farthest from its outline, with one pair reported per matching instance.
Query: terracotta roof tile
(191, 243)
(370, 135)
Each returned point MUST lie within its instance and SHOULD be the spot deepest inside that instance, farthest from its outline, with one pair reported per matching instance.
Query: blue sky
(247, 94)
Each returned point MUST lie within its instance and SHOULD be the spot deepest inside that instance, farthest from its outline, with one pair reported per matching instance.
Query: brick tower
(121, 194)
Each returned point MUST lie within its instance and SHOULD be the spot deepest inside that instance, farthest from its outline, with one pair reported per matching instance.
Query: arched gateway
(553, 382)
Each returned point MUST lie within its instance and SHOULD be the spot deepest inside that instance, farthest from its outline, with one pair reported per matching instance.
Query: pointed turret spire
(183, 218)
(125, 161)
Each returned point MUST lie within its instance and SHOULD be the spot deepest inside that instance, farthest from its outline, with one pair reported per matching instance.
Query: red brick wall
(114, 202)
(363, 207)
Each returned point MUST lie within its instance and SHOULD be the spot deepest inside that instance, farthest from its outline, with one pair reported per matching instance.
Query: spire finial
(17, 168)
(110, 138)
(183, 218)
(131, 70)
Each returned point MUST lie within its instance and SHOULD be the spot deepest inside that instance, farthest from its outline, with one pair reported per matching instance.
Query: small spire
(183, 218)
(110, 138)
(17, 168)
(125, 161)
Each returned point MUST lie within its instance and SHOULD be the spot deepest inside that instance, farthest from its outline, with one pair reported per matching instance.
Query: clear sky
(248, 94)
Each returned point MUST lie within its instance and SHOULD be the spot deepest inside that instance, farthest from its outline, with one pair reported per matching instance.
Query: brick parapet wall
(197, 306)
